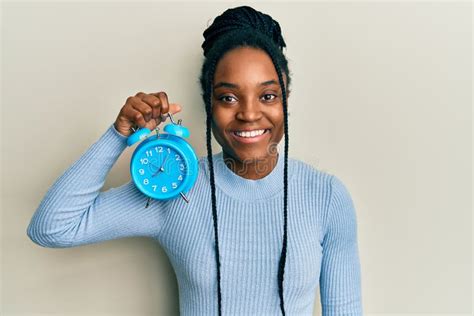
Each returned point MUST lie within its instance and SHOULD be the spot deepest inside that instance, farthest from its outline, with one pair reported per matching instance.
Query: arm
(74, 211)
(340, 280)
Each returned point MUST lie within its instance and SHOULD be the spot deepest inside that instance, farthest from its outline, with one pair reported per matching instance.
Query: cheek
(221, 118)
(218, 133)
(278, 134)
(277, 120)
(278, 131)
(217, 129)
(219, 123)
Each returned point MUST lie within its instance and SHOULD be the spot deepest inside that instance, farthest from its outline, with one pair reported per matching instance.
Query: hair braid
(213, 185)
(282, 262)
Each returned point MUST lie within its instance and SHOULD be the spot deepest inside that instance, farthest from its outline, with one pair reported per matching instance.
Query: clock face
(160, 170)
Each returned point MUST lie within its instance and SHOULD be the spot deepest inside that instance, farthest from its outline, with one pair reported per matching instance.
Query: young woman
(261, 230)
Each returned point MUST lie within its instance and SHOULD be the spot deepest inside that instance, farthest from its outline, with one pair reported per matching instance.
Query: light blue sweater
(322, 232)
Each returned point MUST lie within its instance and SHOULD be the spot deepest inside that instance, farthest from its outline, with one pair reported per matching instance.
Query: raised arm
(74, 211)
(340, 280)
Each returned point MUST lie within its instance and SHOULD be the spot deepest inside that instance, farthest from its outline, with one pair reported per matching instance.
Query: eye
(226, 98)
(269, 97)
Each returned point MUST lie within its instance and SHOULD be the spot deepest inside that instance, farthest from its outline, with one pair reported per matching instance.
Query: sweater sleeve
(340, 280)
(74, 212)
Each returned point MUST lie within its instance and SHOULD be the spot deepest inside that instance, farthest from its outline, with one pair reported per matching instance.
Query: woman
(268, 243)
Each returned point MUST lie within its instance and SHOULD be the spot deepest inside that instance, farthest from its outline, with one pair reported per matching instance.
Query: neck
(253, 169)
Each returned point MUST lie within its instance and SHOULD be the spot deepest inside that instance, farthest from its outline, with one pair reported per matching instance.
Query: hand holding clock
(144, 110)
(140, 115)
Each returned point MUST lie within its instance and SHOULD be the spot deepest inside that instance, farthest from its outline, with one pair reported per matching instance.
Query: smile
(250, 136)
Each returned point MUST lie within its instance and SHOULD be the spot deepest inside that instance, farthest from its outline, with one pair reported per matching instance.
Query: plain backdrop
(381, 97)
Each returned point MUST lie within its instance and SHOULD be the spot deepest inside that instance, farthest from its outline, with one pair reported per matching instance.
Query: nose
(249, 111)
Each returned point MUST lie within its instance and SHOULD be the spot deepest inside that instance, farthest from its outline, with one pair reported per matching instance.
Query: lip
(250, 140)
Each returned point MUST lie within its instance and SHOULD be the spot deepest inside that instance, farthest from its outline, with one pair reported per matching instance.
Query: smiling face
(247, 105)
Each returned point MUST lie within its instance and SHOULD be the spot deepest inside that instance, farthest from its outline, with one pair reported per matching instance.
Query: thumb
(175, 108)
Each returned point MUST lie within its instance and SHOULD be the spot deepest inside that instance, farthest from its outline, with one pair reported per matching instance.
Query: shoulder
(308, 175)
(339, 192)
(328, 189)
(341, 217)
(314, 176)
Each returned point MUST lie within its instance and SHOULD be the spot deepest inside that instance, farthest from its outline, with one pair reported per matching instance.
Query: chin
(252, 155)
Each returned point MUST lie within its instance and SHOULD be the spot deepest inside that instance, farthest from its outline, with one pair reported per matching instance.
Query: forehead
(245, 66)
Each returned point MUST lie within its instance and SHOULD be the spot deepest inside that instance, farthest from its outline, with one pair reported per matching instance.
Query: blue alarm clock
(164, 165)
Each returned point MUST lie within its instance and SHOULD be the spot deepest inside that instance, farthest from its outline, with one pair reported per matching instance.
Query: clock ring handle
(175, 128)
(163, 117)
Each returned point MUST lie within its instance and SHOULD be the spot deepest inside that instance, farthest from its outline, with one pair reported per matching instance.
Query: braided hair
(238, 27)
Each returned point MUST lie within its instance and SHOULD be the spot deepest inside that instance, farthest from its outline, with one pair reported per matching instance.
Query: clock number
(181, 167)
(169, 151)
(159, 149)
(149, 153)
(141, 172)
(164, 189)
(180, 178)
(144, 161)
(174, 185)
(145, 181)
(154, 187)
(178, 158)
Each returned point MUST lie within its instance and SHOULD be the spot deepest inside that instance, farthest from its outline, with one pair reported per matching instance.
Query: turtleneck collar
(241, 188)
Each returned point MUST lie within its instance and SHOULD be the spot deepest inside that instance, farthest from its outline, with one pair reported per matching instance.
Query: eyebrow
(233, 85)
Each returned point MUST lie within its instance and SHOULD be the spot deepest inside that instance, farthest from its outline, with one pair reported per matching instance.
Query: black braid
(213, 186)
(237, 27)
(281, 266)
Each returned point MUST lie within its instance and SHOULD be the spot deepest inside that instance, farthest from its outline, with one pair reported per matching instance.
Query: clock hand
(161, 168)
(155, 166)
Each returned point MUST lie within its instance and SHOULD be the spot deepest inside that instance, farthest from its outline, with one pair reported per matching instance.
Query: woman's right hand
(144, 110)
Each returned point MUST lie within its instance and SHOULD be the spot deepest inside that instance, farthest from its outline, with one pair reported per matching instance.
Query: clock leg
(184, 197)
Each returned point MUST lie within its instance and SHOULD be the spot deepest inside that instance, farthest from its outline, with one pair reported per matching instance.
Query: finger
(164, 105)
(153, 123)
(154, 102)
(175, 108)
(142, 107)
(134, 116)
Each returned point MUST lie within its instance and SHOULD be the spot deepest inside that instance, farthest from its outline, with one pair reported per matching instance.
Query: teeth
(250, 133)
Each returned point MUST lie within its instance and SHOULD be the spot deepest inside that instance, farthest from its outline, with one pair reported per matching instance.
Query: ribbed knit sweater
(322, 232)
